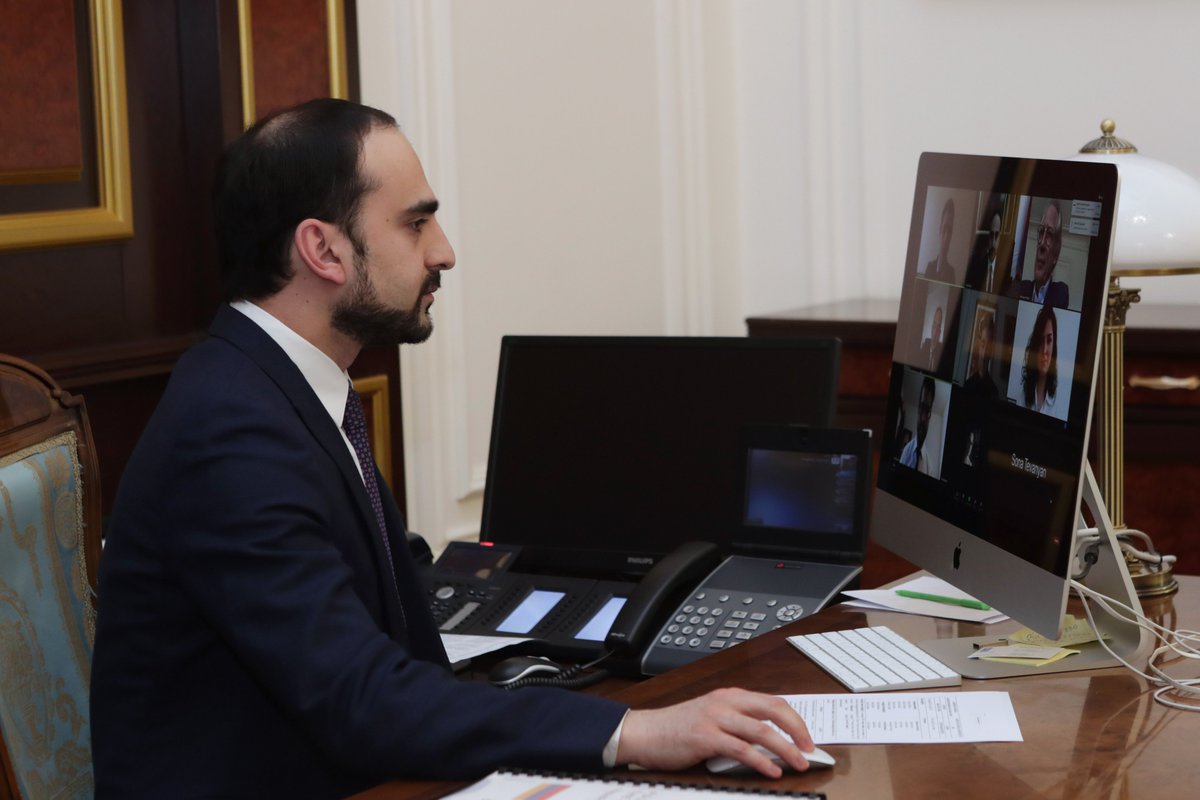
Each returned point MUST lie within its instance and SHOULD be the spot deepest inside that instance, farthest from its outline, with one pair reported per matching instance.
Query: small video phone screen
(801, 491)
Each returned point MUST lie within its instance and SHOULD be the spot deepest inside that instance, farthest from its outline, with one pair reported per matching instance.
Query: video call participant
(1043, 288)
(979, 382)
(914, 454)
(940, 268)
(931, 348)
(1039, 375)
(262, 631)
(974, 404)
(987, 273)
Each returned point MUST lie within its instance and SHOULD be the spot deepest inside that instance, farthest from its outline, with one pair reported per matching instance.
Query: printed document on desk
(908, 717)
(514, 785)
(888, 600)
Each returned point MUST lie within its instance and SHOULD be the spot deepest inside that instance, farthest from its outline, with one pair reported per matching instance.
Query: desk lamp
(1157, 233)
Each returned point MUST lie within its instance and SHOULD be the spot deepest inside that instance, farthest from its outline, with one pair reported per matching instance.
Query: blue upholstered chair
(49, 551)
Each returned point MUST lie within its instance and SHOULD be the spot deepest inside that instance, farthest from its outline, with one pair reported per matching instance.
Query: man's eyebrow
(423, 207)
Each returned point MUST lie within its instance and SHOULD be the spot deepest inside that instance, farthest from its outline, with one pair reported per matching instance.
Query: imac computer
(983, 469)
(608, 452)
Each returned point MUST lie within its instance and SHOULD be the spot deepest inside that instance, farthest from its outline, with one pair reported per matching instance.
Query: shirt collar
(327, 380)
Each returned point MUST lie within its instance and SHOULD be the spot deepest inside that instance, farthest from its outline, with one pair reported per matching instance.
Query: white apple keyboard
(875, 659)
(817, 759)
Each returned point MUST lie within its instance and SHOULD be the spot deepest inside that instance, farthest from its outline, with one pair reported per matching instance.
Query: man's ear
(321, 249)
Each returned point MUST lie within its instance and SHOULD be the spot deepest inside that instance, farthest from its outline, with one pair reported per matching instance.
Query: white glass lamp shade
(1158, 214)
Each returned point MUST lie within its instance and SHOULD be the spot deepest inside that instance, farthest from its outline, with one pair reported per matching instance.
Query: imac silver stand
(1108, 576)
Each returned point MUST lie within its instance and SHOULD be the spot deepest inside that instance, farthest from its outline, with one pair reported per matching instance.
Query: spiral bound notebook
(524, 785)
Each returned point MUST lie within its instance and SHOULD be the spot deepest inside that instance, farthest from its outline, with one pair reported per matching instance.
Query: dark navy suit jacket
(1058, 294)
(249, 642)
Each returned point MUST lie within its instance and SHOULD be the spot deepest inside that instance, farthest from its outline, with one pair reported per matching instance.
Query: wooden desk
(1087, 735)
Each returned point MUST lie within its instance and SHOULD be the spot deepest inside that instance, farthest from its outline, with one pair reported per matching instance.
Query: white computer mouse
(724, 765)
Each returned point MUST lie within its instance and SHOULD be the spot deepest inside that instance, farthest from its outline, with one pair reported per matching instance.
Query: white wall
(841, 96)
(671, 167)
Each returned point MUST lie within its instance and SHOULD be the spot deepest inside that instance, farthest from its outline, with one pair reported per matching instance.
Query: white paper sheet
(460, 647)
(516, 786)
(908, 717)
(888, 600)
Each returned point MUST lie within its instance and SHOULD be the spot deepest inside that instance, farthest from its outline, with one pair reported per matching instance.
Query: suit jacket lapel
(244, 334)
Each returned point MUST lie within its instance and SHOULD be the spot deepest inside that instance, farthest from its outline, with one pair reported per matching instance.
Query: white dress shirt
(328, 381)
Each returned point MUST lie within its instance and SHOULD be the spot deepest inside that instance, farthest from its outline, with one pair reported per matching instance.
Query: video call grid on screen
(996, 343)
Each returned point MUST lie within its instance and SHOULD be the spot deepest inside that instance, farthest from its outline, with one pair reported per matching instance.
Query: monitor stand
(1109, 576)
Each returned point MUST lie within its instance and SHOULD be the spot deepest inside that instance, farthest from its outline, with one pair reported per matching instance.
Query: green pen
(937, 598)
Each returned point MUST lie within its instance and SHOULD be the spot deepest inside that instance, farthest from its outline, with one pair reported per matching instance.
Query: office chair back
(49, 553)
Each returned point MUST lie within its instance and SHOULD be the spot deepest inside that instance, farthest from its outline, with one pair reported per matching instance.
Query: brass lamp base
(1147, 582)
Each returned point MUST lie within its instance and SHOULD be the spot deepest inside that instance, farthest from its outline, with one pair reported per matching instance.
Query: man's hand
(726, 722)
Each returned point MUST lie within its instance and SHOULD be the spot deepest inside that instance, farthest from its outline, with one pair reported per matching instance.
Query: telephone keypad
(745, 597)
(730, 618)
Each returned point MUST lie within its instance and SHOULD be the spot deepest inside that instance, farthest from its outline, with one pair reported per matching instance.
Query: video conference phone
(801, 540)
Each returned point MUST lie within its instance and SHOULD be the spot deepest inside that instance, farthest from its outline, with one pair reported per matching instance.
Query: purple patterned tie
(354, 423)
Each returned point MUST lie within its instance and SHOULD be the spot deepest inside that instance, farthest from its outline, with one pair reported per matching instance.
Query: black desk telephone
(472, 591)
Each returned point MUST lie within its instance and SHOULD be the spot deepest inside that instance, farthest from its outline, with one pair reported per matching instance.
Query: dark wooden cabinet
(1162, 425)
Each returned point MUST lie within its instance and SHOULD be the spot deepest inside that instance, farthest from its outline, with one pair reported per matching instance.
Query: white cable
(1153, 559)
(1184, 643)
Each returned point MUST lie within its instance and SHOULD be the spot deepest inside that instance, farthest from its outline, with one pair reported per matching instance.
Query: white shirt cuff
(614, 742)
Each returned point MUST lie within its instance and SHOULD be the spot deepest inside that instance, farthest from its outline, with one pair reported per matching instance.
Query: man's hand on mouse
(725, 722)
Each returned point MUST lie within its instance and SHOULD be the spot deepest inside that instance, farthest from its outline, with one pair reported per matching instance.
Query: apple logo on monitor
(957, 554)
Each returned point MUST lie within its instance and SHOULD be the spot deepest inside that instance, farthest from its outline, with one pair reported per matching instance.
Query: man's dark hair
(928, 385)
(294, 164)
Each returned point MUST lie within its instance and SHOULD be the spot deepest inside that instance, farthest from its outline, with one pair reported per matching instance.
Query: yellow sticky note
(1032, 662)
(1075, 632)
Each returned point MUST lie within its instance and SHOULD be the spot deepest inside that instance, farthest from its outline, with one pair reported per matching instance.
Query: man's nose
(441, 255)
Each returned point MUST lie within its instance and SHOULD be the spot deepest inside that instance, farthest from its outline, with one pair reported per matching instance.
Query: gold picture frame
(339, 82)
(112, 218)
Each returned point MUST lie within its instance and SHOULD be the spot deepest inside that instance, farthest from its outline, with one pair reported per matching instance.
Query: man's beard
(364, 317)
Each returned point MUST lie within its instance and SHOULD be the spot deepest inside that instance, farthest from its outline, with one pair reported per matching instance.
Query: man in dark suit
(262, 631)
(1043, 288)
(986, 273)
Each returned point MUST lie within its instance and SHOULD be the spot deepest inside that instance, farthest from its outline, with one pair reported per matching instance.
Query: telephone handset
(678, 571)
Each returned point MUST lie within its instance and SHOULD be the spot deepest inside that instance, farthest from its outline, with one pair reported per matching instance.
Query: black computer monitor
(984, 451)
(608, 452)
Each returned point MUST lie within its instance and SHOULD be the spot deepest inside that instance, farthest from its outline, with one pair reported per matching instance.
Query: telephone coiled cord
(575, 677)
